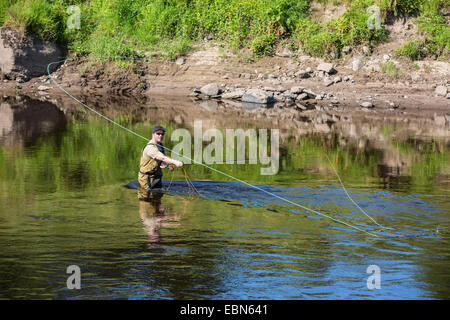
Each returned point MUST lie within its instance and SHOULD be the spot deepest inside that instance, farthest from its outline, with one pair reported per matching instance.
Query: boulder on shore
(302, 96)
(258, 96)
(210, 89)
(235, 94)
(357, 64)
(441, 91)
(310, 94)
(326, 67)
(297, 89)
(24, 57)
(367, 104)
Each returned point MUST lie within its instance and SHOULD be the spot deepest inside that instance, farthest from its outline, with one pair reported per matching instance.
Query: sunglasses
(160, 133)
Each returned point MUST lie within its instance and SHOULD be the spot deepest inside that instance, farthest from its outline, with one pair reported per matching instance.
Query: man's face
(158, 136)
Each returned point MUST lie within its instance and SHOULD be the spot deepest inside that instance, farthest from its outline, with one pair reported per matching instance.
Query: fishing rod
(197, 162)
(171, 168)
(225, 162)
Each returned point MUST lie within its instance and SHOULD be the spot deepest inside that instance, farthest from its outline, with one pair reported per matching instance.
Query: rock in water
(25, 56)
(368, 105)
(210, 89)
(235, 94)
(257, 96)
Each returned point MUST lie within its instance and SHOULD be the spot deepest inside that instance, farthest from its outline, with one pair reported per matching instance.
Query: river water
(63, 202)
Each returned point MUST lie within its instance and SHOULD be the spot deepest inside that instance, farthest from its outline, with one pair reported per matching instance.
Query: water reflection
(154, 216)
(64, 195)
(248, 106)
(210, 105)
(23, 120)
(396, 153)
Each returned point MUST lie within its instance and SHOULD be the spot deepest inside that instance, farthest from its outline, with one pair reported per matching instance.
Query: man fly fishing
(153, 159)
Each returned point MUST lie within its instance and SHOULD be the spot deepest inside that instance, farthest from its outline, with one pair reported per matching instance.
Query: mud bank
(354, 86)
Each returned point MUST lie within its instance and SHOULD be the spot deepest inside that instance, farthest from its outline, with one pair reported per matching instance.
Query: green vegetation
(126, 28)
(435, 40)
(37, 16)
(350, 29)
(414, 50)
(169, 28)
(390, 68)
(89, 154)
(263, 45)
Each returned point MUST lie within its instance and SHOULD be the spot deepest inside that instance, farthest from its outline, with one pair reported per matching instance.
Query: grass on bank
(434, 30)
(169, 28)
(391, 69)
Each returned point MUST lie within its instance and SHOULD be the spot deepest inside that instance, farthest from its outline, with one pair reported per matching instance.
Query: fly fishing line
(194, 161)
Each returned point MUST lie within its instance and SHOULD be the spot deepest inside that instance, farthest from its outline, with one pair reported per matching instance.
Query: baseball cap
(157, 128)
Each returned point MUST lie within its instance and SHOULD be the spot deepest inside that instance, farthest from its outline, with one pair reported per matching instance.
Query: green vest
(151, 167)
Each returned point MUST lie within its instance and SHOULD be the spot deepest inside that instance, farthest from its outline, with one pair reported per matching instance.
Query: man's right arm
(160, 156)
(152, 152)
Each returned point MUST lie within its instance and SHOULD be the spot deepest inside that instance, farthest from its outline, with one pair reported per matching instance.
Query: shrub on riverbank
(170, 27)
(350, 29)
(40, 17)
(435, 30)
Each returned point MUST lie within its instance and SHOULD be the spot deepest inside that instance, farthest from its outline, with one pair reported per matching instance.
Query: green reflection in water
(92, 153)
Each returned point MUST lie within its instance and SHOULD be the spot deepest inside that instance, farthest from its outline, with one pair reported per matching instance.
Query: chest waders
(150, 173)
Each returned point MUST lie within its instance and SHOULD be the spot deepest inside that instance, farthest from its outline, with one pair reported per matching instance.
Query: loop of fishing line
(171, 180)
(191, 184)
(350, 198)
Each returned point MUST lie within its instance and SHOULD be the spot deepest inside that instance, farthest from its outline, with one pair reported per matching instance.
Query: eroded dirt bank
(300, 86)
